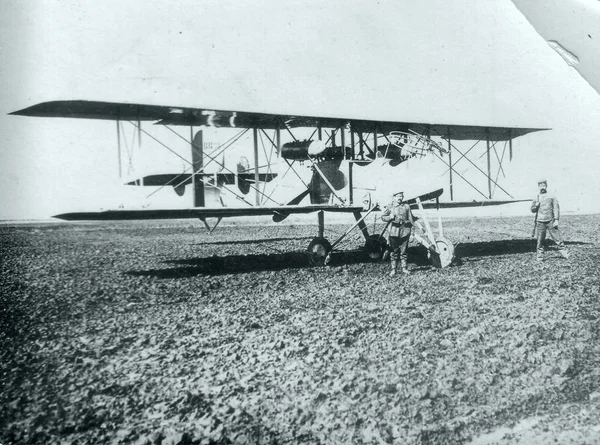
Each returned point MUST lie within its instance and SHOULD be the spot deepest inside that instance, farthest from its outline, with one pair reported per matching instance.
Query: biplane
(342, 165)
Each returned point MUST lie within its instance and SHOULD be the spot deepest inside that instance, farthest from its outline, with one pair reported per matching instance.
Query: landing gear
(444, 255)
(440, 251)
(318, 249)
(375, 246)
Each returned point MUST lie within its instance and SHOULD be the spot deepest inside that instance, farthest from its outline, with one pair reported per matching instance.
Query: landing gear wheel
(318, 249)
(445, 253)
(375, 246)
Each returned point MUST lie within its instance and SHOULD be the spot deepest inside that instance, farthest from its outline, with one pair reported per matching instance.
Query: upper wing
(168, 115)
(202, 212)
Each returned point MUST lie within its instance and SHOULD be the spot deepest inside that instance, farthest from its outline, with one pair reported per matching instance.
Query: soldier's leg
(404, 253)
(541, 237)
(557, 237)
(395, 255)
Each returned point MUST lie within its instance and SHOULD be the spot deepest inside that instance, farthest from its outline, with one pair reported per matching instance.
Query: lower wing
(203, 212)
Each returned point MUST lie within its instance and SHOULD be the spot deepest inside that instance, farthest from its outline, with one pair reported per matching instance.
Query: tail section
(206, 187)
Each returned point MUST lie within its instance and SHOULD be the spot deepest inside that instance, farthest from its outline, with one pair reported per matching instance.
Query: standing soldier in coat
(547, 211)
(401, 219)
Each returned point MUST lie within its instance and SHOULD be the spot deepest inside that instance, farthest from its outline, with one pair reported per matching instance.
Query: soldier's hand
(555, 224)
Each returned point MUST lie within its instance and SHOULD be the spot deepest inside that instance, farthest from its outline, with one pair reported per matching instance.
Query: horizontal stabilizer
(175, 179)
(172, 179)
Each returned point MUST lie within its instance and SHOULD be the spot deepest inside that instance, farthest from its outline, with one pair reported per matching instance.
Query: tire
(318, 249)
(446, 253)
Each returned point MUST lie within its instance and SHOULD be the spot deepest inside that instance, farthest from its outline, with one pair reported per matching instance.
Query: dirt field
(159, 333)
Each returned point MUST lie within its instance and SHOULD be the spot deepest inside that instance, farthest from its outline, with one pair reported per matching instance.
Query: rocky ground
(152, 333)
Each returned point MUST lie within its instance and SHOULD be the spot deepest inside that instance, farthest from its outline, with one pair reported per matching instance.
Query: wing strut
(489, 163)
(119, 148)
(197, 146)
(256, 176)
(476, 166)
(450, 163)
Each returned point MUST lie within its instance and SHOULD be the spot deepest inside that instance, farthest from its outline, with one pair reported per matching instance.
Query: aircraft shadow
(235, 264)
(254, 241)
(503, 247)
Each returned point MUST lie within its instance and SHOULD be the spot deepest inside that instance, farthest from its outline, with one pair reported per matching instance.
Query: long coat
(401, 218)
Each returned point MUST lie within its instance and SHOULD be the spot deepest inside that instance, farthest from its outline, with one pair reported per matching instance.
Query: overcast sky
(446, 61)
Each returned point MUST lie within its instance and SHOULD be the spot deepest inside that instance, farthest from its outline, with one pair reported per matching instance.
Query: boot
(404, 267)
(394, 265)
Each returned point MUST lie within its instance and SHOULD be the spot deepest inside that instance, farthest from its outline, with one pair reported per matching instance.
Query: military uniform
(548, 213)
(401, 222)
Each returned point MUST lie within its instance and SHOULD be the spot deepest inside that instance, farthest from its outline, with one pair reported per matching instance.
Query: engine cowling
(302, 150)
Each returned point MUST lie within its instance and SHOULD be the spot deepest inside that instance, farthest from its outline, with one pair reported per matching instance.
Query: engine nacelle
(302, 150)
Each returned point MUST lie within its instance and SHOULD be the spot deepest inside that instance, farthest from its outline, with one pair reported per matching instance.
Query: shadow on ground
(254, 241)
(236, 264)
(503, 247)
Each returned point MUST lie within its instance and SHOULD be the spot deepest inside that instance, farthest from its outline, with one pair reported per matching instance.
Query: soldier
(401, 219)
(547, 211)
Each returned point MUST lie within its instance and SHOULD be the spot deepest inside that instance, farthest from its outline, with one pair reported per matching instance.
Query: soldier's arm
(535, 205)
(386, 215)
(556, 209)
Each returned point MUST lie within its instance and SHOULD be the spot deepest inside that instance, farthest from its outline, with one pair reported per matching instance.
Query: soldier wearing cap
(401, 222)
(547, 211)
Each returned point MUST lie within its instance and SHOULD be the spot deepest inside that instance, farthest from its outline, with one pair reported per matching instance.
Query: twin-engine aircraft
(346, 165)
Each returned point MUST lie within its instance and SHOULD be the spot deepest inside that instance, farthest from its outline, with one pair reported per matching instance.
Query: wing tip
(63, 216)
(77, 216)
(22, 112)
(34, 110)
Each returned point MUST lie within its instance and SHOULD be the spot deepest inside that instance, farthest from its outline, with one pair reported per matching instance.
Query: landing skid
(440, 250)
